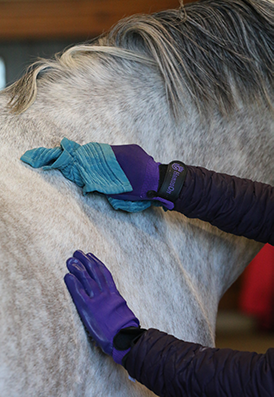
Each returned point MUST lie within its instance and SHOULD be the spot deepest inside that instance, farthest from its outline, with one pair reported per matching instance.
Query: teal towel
(92, 166)
(129, 206)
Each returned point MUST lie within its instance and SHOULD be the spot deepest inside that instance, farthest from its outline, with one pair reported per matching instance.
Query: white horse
(193, 84)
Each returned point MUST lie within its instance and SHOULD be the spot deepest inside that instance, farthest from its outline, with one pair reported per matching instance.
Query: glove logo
(177, 167)
(177, 171)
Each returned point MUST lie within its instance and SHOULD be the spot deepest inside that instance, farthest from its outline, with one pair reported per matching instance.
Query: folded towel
(93, 167)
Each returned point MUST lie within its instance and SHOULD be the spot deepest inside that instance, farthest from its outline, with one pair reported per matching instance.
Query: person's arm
(171, 367)
(132, 181)
(164, 364)
(235, 205)
(238, 206)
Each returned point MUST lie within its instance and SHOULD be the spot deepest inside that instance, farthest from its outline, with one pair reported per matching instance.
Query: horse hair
(186, 47)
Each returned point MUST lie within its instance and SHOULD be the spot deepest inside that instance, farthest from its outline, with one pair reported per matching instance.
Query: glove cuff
(172, 178)
(123, 341)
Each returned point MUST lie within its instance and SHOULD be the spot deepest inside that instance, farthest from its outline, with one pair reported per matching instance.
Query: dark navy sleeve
(171, 367)
(238, 206)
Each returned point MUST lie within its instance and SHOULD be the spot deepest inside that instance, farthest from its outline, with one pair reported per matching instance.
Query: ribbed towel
(92, 166)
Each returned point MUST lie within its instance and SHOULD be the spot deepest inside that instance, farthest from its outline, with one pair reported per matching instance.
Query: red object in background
(257, 294)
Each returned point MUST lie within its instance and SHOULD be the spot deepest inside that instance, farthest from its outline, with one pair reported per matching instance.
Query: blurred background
(39, 28)
(246, 312)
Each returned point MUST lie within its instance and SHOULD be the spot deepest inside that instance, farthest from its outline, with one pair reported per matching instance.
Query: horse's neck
(119, 111)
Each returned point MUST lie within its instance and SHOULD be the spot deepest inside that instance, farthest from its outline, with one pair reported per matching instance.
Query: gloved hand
(149, 180)
(130, 178)
(102, 309)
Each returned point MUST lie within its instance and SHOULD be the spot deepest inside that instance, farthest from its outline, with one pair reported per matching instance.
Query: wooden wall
(57, 19)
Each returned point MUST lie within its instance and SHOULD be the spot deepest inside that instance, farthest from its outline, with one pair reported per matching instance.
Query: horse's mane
(201, 47)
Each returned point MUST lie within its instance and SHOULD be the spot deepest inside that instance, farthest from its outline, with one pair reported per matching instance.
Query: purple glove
(149, 180)
(102, 309)
(140, 169)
